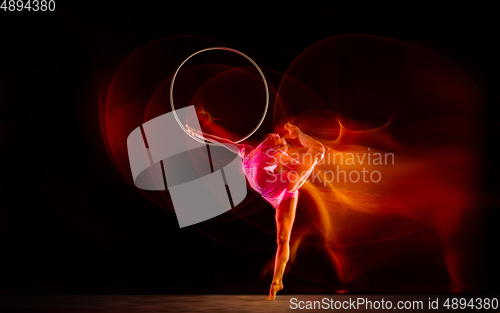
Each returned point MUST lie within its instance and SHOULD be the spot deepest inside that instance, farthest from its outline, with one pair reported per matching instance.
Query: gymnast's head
(275, 141)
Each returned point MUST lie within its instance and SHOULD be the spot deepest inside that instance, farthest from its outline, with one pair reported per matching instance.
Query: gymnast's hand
(293, 130)
(189, 130)
(193, 132)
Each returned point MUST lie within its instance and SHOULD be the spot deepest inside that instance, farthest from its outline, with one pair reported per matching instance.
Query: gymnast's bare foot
(275, 287)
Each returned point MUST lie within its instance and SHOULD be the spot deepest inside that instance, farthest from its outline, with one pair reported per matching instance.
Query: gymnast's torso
(259, 166)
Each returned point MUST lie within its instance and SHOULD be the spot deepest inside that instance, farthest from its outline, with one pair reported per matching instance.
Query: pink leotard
(259, 165)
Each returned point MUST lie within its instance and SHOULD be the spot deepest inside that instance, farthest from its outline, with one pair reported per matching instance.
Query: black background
(69, 223)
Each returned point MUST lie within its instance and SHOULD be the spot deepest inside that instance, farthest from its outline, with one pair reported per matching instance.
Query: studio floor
(210, 303)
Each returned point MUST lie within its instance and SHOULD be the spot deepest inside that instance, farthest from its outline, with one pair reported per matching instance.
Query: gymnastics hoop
(224, 49)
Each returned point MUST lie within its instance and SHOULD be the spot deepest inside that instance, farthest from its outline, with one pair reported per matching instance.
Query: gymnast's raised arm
(232, 146)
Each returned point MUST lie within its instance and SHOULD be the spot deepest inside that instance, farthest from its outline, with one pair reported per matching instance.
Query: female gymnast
(280, 189)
